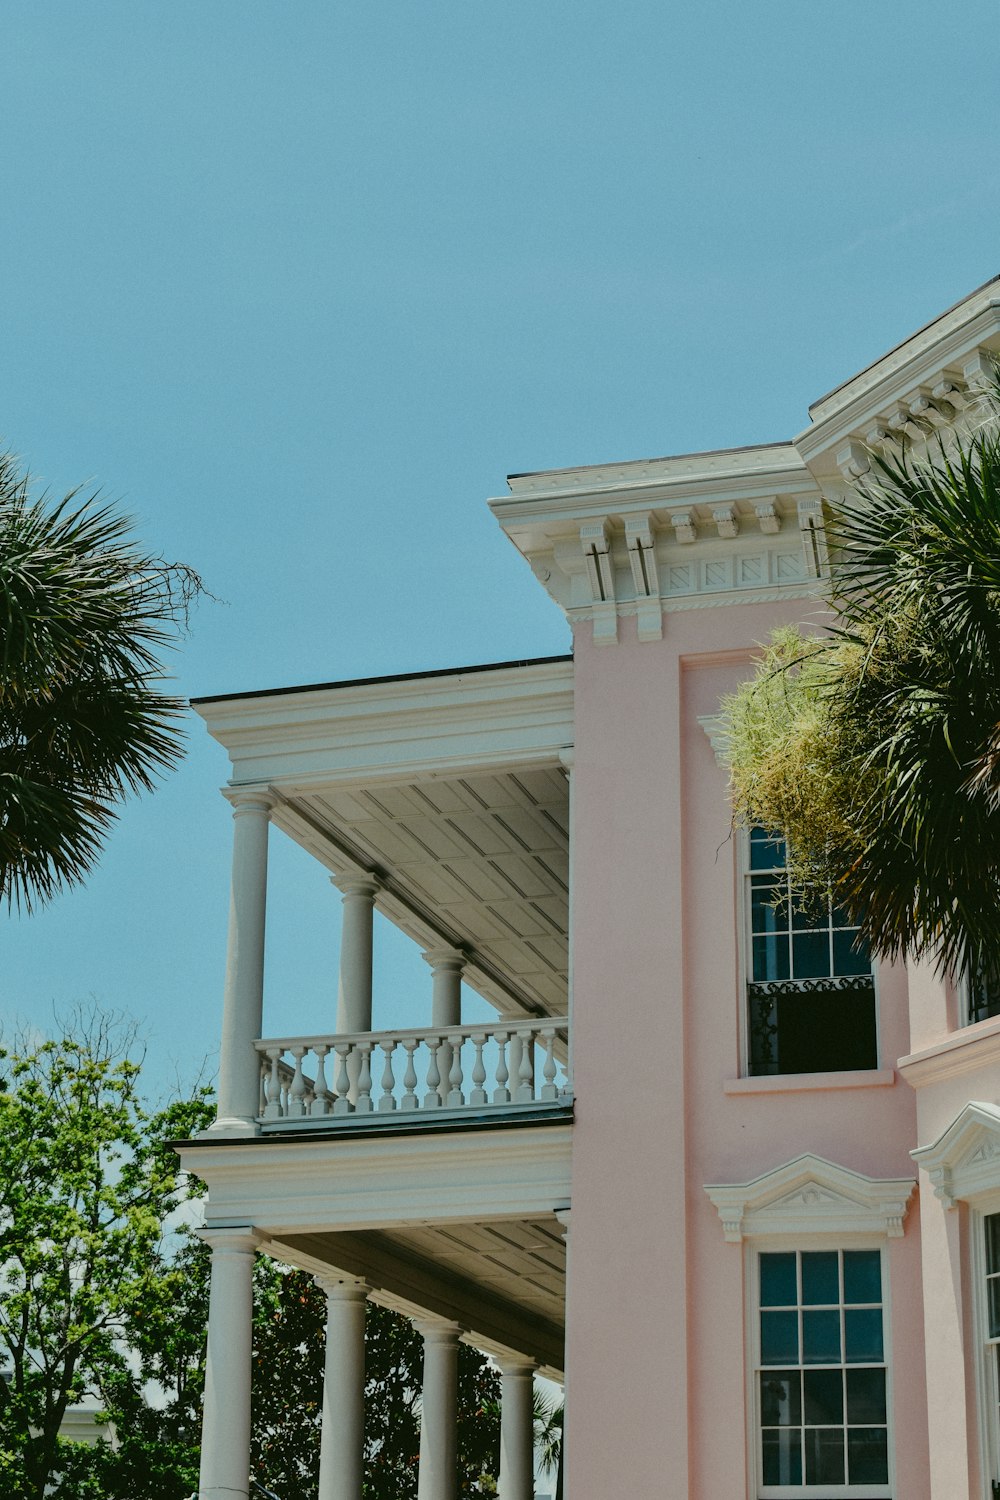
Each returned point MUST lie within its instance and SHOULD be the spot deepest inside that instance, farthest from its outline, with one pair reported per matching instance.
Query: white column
(354, 998)
(447, 966)
(438, 1475)
(342, 1440)
(243, 1005)
(225, 1432)
(517, 1430)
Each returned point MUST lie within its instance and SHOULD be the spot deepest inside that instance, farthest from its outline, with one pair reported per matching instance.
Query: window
(810, 992)
(991, 1323)
(982, 996)
(822, 1403)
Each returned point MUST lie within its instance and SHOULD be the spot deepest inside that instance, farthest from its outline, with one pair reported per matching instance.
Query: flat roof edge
(353, 682)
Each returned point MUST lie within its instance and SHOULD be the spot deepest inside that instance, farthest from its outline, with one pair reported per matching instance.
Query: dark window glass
(863, 1336)
(867, 1455)
(862, 1276)
(780, 1399)
(770, 957)
(782, 1454)
(984, 996)
(824, 1455)
(865, 1396)
(812, 1031)
(820, 1338)
(993, 1287)
(766, 853)
(824, 1397)
(849, 957)
(779, 1338)
(777, 1280)
(993, 1244)
(811, 955)
(820, 1278)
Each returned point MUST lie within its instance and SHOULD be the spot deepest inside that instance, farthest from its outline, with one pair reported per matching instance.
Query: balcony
(470, 1073)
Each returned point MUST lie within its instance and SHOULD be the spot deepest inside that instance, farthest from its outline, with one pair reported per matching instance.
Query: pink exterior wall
(656, 1356)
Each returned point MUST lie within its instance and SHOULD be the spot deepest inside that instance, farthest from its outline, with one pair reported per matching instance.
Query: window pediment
(964, 1162)
(808, 1196)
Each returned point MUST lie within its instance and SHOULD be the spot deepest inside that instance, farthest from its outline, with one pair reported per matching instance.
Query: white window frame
(987, 1350)
(745, 965)
(764, 1244)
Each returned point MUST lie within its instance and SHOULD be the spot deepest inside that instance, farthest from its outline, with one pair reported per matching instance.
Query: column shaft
(342, 1439)
(438, 1475)
(517, 1466)
(447, 965)
(225, 1440)
(354, 999)
(243, 1004)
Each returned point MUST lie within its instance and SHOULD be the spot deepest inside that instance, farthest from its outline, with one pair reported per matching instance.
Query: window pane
(780, 1399)
(766, 853)
(770, 957)
(779, 1338)
(862, 1276)
(865, 1396)
(782, 1454)
(820, 1277)
(820, 1338)
(811, 955)
(863, 1335)
(849, 958)
(993, 1244)
(824, 1397)
(993, 1286)
(825, 1455)
(867, 1455)
(777, 1280)
(810, 912)
(768, 909)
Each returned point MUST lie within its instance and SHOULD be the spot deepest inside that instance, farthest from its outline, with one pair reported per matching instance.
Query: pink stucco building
(739, 1192)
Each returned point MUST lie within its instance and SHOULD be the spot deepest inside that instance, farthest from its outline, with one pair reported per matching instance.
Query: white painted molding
(716, 727)
(964, 1162)
(811, 1196)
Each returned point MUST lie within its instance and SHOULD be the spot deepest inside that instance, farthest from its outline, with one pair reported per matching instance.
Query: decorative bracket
(595, 541)
(813, 538)
(767, 517)
(683, 524)
(640, 541)
(726, 521)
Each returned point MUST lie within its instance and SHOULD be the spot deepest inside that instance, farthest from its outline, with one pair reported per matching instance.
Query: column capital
(445, 957)
(567, 757)
(232, 1238)
(516, 1364)
(249, 799)
(342, 1288)
(357, 883)
(438, 1330)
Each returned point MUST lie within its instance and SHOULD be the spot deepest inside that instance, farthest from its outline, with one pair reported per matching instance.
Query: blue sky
(300, 284)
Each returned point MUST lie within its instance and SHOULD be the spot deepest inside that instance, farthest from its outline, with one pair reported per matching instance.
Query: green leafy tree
(876, 751)
(85, 614)
(88, 1184)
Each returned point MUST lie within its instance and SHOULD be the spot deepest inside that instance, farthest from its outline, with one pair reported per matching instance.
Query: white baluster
(387, 1100)
(321, 1094)
(455, 1096)
(549, 1090)
(262, 1091)
(274, 1110)
(477, 1095)
(526, 1070)
(343, 1105)
(297, 1092)
(432, 1098)
(409, 1099)
(501, 1094)
(364, 1101)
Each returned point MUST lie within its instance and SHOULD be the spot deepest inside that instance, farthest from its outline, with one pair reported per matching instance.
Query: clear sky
(301, 283)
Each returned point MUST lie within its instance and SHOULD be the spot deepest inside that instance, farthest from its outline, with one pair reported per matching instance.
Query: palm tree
(84, 616)
(548, 1425)
(877, 750)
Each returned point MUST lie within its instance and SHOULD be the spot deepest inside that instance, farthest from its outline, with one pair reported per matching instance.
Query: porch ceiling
(504, 1281)
(479, 860)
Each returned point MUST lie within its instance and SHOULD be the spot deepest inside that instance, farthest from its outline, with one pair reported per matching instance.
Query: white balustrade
(485, 1066)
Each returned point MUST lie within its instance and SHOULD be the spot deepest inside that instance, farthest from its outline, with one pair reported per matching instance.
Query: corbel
(595, 541)
(683, 524)
(813, 531)
(852, 460)
(924, 411)
(725, 520)
(978, 371)
(948, 392)
(767, 517)
(641, 544)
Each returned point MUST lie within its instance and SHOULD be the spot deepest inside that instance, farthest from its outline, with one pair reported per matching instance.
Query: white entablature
(811, 1196)
(742, 525)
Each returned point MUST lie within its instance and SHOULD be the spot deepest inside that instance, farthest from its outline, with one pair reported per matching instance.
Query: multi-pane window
(983, 995)
(991, 1225)
(821, 1376)
(810, 991)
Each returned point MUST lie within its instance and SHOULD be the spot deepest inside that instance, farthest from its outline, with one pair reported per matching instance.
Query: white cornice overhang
(397, 729)
(666, 534)
(914, 391)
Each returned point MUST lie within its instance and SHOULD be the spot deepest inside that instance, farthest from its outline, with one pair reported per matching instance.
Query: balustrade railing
(473, 1067)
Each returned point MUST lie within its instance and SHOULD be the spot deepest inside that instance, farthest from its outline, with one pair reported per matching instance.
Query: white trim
(810, 1195)
(964, 1162)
